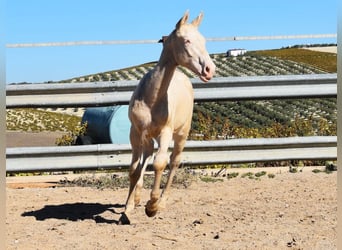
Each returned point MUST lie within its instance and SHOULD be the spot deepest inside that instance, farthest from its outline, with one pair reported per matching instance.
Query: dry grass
(35, 120)
(184, 178)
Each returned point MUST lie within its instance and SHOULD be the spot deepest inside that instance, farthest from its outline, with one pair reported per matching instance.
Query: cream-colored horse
(161, 109)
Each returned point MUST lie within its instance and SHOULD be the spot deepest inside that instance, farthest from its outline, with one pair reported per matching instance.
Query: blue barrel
(106, 125)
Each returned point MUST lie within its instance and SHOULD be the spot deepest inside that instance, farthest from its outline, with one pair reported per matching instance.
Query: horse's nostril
(207, 69)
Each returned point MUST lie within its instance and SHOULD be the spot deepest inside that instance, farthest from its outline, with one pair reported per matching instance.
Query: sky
(39, 21)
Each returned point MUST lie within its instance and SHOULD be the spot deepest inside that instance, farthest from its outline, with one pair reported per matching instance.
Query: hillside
(254, 63)
(229, 119)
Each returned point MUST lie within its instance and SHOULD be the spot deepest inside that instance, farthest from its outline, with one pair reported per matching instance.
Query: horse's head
(188, 46)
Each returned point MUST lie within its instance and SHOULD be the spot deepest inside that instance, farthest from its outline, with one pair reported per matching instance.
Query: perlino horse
(161, 109)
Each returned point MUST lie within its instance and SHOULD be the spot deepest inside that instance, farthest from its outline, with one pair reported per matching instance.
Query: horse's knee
(160, 161)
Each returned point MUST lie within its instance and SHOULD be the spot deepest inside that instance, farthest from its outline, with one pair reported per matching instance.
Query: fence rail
(109, 156)
(221, 88)
(106, 156)
(152, 41)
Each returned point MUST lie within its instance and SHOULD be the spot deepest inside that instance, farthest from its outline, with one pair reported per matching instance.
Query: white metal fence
(154, 41)
(110, 156)
(220, 88)
(106, 156)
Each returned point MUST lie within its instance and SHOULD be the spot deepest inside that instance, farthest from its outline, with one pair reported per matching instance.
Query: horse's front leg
(175, 160)
(134, 175)
(159, 164)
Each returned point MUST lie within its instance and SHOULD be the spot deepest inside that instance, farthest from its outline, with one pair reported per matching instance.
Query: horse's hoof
(124, 220)
(150, 213)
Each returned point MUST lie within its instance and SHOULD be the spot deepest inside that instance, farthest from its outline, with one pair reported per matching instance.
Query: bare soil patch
(327, 49)
(289, 211)
(31, 139)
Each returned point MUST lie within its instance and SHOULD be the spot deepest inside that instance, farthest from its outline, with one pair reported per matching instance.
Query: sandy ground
(290, 211)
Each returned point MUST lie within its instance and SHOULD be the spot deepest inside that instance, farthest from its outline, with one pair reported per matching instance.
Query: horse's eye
(187, 41)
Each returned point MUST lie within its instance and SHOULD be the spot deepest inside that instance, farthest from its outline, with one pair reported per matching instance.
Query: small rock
(199, 221)
(291, 243)
(330, 166)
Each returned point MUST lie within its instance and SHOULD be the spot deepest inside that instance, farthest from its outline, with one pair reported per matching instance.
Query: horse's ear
(183, 20)
(198, 20)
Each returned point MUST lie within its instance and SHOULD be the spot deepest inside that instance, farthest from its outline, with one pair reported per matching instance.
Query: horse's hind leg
(147, 154)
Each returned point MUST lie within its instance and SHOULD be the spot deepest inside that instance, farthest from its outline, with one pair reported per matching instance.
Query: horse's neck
(160, 78)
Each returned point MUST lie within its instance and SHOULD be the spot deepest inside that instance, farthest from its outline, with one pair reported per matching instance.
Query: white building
(236, 52)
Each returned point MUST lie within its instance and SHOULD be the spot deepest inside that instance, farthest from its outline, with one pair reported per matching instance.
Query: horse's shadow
(75, 212)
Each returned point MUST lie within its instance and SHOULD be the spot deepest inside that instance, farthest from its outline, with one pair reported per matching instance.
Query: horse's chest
(149, 118)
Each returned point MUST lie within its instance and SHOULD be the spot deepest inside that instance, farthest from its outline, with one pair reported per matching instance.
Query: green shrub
(259, 174)
(232, 175)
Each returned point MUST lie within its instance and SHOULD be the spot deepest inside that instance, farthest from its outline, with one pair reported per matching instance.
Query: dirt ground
(328, 49)
(289, 211)
(31, 139)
